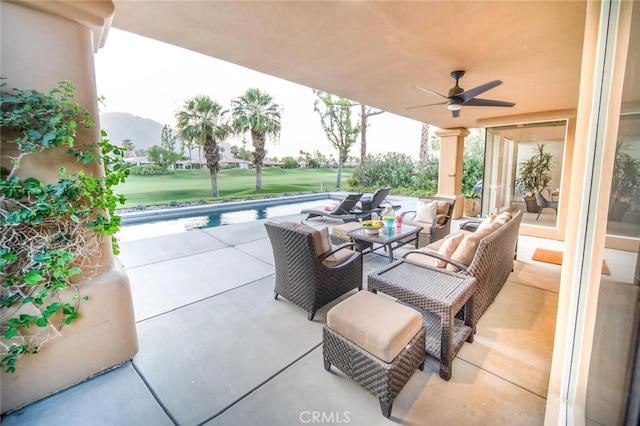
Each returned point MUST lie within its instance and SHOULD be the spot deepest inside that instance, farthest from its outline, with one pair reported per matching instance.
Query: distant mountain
(143, 132)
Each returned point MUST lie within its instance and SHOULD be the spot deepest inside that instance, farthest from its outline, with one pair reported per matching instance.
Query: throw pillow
(319, 240)
(503, 217)
(426, 211)
(486, 222)
(468, 247)
(443, 208)
(326, 243)
(448, 247)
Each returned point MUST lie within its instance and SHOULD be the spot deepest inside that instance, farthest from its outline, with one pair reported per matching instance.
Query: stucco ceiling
(375, 51)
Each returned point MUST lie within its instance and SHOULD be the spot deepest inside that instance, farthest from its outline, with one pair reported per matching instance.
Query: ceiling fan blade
(429, 91)
(426, 105)
(472, 93)
(487, 102)
(455, 113)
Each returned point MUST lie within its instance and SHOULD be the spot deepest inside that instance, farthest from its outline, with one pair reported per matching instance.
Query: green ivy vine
(50, 233)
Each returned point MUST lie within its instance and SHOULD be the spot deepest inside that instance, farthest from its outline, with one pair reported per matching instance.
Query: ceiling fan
(457, 96)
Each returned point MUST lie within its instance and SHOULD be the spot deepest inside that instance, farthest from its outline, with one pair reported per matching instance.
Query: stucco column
(450, 173)
(44, 43)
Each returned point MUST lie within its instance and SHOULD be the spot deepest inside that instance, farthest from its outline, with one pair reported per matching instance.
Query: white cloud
(152, 79)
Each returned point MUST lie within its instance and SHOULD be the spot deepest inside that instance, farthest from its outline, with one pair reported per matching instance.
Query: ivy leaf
(33, 277)
(10, 333)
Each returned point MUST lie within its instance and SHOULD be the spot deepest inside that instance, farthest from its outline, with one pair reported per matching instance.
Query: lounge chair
(343, 211)
(374, 204)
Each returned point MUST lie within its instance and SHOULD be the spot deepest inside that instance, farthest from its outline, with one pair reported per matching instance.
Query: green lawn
(195, 185)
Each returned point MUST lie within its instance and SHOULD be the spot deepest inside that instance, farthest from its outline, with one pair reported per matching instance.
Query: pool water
(210, 220)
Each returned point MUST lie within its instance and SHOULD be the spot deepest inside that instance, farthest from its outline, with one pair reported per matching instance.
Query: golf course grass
(195, 185)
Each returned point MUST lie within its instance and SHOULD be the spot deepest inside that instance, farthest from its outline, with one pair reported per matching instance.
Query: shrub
(392, 169)
(150, 169)
(289, 163)
(426, 176)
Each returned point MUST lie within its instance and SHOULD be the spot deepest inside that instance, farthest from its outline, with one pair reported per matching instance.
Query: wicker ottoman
(376, 342)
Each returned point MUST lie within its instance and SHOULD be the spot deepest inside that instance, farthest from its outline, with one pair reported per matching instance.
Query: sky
(151, 79)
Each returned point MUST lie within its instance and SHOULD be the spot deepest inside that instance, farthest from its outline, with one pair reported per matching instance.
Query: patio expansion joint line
(175, 258)
(546, 290)
(277, 373)
(203, 299)
(505, 379)
(154, 394)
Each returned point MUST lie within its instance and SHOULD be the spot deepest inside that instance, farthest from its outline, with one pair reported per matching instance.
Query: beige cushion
(421, 258)
(342, 231)
(443, 208)
(436, 245)
(486, 222)
(469, 245)
(426, 227)
(426, 210)
(448, 247)
(338, 258)
(378, 325)
(503, 218)
(321, 240)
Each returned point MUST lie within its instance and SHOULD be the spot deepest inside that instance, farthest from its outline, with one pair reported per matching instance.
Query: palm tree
(256, 112)
(201, 120)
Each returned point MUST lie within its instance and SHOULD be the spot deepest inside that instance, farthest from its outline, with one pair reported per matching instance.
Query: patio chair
(543, 203)
(435, 219)
(374, 203)
(343, 211)
(310, 272)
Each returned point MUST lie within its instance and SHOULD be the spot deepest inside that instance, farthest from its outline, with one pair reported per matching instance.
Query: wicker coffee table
(439, 295)
(389, 238)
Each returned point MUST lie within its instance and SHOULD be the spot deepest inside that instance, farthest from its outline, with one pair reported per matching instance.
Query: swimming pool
(171, 221)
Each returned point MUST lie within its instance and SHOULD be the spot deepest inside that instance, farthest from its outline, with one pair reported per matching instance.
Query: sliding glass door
(522, 160)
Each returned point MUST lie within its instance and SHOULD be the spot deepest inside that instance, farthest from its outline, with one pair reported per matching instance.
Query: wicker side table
(440, 295)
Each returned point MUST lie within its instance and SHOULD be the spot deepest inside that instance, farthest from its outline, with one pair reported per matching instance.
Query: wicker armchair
(439, 227)
(306, 277)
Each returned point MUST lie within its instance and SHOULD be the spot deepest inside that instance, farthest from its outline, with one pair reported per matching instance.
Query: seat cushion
(378, 325)
(339, 257)
(421, 258)
(426, 227)
(342, 231)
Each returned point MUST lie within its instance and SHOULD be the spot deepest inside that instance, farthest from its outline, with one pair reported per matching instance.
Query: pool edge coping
(131, 218)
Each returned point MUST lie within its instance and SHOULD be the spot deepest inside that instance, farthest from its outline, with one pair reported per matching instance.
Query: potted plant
(625, 181)
(471, 204)
(534, 175)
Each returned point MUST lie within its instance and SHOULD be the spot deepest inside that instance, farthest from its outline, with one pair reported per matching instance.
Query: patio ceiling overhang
(375, 51)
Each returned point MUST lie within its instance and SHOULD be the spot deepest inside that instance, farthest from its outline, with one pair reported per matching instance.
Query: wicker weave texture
(492, 264)
(436, 291)
(301, 278)
(384, 380)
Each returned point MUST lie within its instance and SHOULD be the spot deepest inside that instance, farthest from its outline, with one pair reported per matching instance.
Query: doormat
(555, 257)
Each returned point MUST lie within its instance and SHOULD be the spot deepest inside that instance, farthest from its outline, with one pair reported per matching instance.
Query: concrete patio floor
(217, 349)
